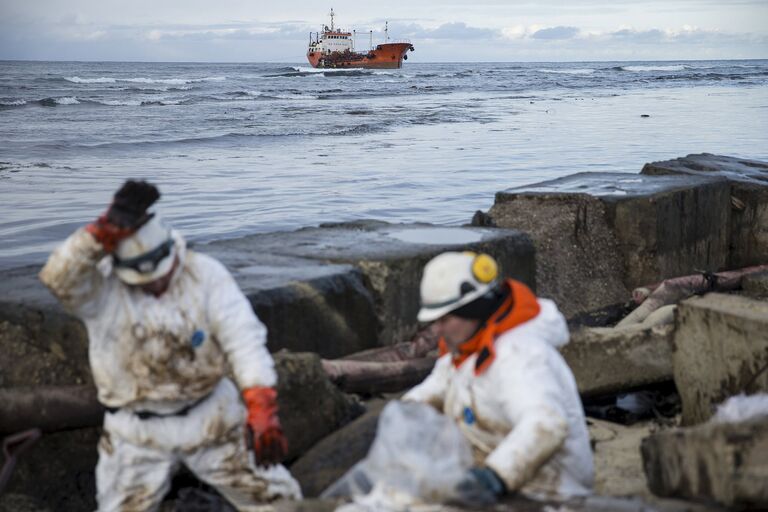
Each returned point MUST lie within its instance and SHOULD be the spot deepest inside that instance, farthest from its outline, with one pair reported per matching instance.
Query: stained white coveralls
(523, 415)
(161, 355)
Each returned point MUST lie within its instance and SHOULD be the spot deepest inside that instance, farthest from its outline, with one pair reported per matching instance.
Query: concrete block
(755, 285)
(609, 360)
(306, 304)
(599, 235)
(749, 199)
(392, 257)
(724, 462)
(720, 347)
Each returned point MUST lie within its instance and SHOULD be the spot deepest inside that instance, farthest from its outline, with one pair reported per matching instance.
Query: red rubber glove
(108, 234)
(269, 443)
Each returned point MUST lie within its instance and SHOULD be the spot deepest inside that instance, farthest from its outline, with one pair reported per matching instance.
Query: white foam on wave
(119, 103)
(13, 103)
(295, 96)
(144, 80)
(642, 69)
(572, 71)
(66, 100)
(101, 80)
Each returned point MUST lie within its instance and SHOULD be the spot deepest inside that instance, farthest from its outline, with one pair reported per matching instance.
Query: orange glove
(269, 443)
(108, 234)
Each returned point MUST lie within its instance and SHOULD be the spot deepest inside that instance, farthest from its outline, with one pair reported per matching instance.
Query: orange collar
(518, 308)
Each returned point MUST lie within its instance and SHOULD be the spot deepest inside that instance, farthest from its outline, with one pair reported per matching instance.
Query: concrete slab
(392, 257)
(724, 462)
(599, 235)
(749, 199)
(608, 360)
(720, 347)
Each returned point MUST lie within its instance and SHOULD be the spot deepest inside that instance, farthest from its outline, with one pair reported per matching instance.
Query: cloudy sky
(441, 30)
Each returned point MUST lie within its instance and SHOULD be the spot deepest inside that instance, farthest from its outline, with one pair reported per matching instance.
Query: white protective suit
(523, 415)
(162, 355)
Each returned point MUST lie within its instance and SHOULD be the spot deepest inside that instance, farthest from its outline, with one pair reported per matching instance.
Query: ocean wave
(12, 103)
(302, 71)
(643, 69)
(144, 80)
(101, 80)
(52, 102)
(569, 71)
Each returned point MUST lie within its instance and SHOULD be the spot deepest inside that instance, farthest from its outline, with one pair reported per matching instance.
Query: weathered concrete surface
(307, 305)
(720, 347)
(392, 257)
(599, 235)
(724, 462)
(749, 199)
(607, 360)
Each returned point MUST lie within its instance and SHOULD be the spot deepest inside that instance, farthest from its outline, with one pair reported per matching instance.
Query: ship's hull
(385, 56)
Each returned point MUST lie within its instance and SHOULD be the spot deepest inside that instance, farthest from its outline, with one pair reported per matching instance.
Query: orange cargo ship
(334, 48)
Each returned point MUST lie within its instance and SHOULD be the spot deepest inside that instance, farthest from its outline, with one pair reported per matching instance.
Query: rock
(607, 360)
(310, 406)
(391, 258)
(329, 459)
(724, 462)
(307, 305)
(720, 347)
(599, 235)
(748, 236)
(756, 285)
(41, 343)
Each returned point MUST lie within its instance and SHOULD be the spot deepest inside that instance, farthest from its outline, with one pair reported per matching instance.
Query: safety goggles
(147, 262)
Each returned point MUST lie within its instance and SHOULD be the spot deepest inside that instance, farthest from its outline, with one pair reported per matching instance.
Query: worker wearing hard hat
(502, 379)
(164, 324)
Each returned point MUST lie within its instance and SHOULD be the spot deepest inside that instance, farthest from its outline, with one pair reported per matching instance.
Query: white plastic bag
(418, 456)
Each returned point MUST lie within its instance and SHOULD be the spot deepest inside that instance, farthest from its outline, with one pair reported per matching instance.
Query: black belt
(145, 415)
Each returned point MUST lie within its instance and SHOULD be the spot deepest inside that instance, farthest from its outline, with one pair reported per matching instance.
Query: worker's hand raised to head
(126, 214)
(269, 443)
(130, 203)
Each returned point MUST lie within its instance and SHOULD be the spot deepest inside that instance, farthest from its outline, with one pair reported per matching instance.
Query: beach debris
(671, 291)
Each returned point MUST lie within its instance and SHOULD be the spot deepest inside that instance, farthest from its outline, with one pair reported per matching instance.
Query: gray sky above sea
(441, 30)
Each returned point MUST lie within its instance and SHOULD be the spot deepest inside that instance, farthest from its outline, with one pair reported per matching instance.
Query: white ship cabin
(333, 41)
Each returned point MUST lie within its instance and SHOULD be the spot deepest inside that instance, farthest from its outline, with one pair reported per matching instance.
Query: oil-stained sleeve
(240, 333)
(432, 390)
(529, 396)
(73, 276)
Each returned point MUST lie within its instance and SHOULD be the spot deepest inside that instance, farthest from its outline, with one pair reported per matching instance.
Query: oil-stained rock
(724, 462)
(608, 360)
(599, 235)
(392, 257)
(748, 237)
(310, 406)
(720, 347)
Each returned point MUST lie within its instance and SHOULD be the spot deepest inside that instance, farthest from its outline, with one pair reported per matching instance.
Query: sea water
(246, 148)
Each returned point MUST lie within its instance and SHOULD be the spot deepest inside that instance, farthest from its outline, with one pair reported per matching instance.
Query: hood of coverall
(146, 255)
(453, 279)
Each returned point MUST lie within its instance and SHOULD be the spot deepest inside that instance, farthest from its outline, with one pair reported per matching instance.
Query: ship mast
(386, 31)
(332, 15)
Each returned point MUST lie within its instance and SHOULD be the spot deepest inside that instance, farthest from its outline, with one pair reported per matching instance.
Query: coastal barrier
(585, 240)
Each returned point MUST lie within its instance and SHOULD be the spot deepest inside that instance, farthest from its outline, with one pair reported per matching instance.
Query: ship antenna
(386, 31)
(332, 15)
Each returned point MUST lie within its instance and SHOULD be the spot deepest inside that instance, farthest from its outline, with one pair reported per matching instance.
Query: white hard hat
(146, 255)
(453, 279)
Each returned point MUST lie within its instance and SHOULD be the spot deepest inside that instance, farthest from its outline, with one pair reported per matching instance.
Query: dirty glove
(268, 442)
(126, 214)
(480, 486)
